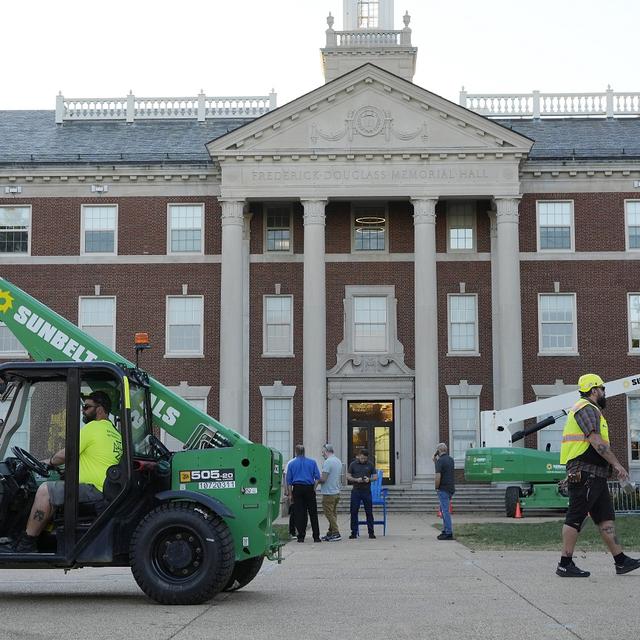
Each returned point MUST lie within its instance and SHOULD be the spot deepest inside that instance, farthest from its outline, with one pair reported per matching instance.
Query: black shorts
(589, 496)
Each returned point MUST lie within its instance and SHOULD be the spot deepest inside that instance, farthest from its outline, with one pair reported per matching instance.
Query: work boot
(571, 571)
(24, 544)
(629, 564)
(372, 535)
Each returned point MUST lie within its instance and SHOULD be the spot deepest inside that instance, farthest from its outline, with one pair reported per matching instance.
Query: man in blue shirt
(302, 476)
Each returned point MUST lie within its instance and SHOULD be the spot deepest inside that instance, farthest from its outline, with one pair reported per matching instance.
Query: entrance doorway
(370, 426)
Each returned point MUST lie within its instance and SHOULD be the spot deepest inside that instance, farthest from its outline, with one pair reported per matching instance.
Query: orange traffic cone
(518, 510)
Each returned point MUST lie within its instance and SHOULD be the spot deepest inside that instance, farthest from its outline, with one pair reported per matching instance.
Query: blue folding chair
(378, 499)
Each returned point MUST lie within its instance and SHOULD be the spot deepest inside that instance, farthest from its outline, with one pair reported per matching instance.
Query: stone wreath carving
(368, 122)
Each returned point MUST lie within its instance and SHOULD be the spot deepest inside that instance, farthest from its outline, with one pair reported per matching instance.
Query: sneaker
(445, 536)
(24, 544)
(353, 536)
(300, 539)
(317, 539)
(571, 571)
(372, 536)
(629, 564)
(335, 537)
(293, 536)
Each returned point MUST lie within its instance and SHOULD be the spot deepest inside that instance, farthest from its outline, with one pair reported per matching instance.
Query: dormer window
(368, 13)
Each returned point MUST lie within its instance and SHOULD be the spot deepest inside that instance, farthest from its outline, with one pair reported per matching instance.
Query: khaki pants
(330, 509)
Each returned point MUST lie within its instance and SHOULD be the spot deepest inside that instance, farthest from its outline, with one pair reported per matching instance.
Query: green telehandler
(190, 523)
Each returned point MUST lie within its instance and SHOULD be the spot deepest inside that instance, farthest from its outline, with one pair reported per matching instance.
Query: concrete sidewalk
(406, 585)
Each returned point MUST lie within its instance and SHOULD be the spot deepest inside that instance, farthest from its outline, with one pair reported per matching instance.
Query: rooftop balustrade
(131, 108)
(609, 104)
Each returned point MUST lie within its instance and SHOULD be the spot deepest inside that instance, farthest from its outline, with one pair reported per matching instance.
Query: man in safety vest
(586, 452)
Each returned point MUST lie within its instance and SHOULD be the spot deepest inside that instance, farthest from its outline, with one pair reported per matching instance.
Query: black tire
(244, 571)
(181, 554)
(511, 499)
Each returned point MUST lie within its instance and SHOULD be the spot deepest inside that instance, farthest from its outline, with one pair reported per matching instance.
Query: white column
(314, 343)
(231, 312)
(509, 302)
(495, 317)
(427, 418)
(246, 320)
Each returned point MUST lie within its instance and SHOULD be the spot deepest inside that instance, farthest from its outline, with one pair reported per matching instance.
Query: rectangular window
(97, 317)
(278, 230)
(186, 228)
(463, 323)
(10, 347)
(370, 324)
(184, 326)
(100, 229)
(463, 425)
(633, 413)
(634, 322)
(173, 444)
(368, 14)
(550, 438)
(555, 225)
(15, 230)
(278, 326)
(369, 228)
(632, 212)
(557, 332)
(461, 226)
(278, 420)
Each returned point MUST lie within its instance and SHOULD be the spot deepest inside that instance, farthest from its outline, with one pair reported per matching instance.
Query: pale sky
(158, 48)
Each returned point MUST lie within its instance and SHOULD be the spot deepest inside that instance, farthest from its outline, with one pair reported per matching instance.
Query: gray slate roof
(31, 137)
(34, 137)
(580, 138)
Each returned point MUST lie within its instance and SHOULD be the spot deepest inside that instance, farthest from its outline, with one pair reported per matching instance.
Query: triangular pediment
(369, 110)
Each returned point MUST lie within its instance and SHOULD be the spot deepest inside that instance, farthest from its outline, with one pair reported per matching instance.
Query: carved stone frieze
(368, 121)
(370, 365)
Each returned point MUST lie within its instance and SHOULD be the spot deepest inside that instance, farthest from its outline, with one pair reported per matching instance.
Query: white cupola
(368, 36)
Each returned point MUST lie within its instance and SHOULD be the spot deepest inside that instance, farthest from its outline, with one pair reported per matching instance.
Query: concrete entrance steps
(468, 498)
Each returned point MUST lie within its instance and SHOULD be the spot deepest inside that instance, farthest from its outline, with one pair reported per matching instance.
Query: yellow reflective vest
(574, 442)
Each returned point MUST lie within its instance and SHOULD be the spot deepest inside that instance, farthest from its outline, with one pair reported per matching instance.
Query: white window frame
(21, 206)
(386, 325)
(276, 354)
(271, 206)
(358, 210)
(543, 391)
(462, 391)
(458, 352)
(558, 352)
(170, 205)
(190, 394)
(631, 396)
(183, 354)
(113, 323)
(372, 22)
(632, 351)
(626, 224)
(14, 355)
(278, 391)
(466, 208)
(572, 230)
(83, 251)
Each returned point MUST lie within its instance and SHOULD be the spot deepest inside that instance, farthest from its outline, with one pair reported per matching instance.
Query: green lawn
(542, 535)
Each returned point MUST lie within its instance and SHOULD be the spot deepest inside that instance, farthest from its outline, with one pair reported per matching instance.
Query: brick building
(367, 264)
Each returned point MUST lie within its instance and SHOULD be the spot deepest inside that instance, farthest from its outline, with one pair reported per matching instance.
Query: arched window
(368, 14)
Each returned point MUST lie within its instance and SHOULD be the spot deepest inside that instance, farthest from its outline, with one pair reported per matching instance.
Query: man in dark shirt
(302, 476)
(586, 451)
(445, 486)
(360, 474)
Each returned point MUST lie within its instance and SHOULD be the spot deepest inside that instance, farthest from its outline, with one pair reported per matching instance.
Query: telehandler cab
(189, 523)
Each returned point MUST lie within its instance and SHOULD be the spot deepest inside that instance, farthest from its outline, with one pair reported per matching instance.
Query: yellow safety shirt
(100, 447)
